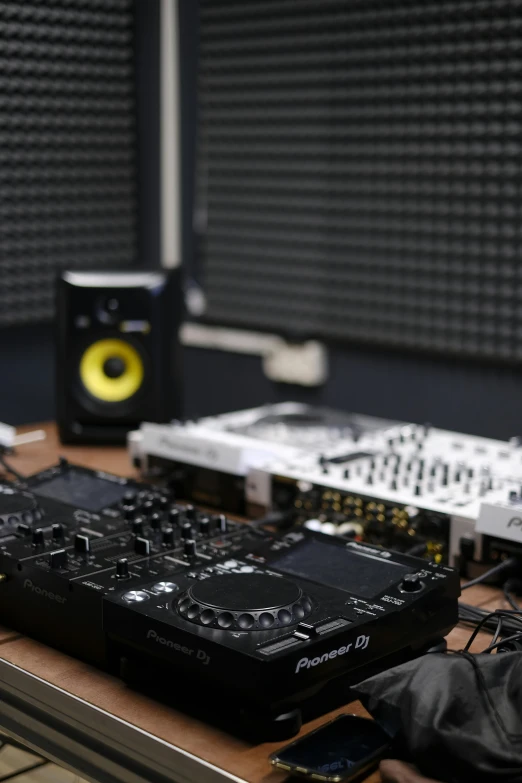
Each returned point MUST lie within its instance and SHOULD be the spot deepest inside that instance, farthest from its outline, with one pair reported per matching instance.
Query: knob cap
(190, 548)
(57, 531)
(129, 498)
(82, 544)
(163, 502)
(38, 537)
(174, 517)
(122, 568)
(137, 526)
(129, 512)
(58, 559)
(204, 526)
(411, 584)
(186, 531)
(142, 546)
(169, 538)
(155, 521)
(24, 530)
(148, 507)
(190, 512)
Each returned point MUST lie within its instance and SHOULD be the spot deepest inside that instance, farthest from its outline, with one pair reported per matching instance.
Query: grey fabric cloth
(457, 717)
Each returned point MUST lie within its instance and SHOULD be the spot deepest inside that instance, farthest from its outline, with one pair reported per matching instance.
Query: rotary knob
(17, 507)
(411, 584)
(122, 568)
(244, 602)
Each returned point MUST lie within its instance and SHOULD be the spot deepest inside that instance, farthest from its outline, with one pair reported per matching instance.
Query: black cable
(514, 638)
(498, 612)
(9, 469)
(507, 588)
(497, 633)
(505, 565)
(470, 615)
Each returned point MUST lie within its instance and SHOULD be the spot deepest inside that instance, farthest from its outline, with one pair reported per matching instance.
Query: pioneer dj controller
(209, 610)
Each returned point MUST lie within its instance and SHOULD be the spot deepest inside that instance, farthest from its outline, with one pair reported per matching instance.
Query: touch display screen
(82, 490)
(363, 574)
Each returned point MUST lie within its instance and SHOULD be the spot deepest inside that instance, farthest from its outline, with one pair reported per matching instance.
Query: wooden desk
(90, 721)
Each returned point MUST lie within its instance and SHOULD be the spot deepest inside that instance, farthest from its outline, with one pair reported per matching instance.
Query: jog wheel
(17, 507)
(244, 602)
(111, 370)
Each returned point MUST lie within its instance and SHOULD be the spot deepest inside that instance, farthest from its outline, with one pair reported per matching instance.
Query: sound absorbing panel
(360, 171)
(67, 146)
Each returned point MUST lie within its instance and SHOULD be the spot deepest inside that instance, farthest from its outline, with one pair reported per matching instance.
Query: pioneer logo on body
(361, 643)
(28, 585)
(200, 654)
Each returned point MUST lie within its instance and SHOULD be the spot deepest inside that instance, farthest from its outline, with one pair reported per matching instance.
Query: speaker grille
(359, 174)
(67, 146)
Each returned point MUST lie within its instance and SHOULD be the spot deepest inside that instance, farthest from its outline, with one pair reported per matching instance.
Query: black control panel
(205, 609)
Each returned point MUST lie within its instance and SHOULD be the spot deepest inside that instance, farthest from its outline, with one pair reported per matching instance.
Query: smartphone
(339, 751)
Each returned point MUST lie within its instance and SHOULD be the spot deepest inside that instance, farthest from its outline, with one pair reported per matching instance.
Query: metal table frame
(91, 742)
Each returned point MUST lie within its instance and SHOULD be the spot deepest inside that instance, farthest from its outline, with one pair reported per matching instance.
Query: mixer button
(142, 546)
(57, 531)
(174, 516)
(58, 559)
(137, 526)
(169, 537)
(38, 537)
(165, 587)
(186, 531)
(135, 597)
(190, 512)
(82, 544)
(122, 568)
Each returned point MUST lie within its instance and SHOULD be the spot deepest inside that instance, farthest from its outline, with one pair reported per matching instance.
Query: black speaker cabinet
(118, 353)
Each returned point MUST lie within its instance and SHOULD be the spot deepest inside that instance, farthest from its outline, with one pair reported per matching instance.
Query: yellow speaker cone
(111, 370)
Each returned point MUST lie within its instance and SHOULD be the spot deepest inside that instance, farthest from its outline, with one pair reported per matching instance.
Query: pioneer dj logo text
(361, 643)
(28, 585)
(200, 654)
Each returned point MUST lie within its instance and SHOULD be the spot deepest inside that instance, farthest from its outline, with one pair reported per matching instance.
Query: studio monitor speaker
(118, 354)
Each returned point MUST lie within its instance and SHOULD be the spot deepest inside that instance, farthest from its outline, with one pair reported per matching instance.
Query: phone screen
(337, 750)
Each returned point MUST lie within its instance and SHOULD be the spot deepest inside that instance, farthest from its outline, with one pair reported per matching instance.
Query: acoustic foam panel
(359, 171)
(67, 146)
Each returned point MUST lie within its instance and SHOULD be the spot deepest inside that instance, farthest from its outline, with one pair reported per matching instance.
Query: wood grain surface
(240, 758)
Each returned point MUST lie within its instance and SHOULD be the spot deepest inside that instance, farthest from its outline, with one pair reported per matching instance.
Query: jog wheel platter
(18, 508)
(244, 602)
